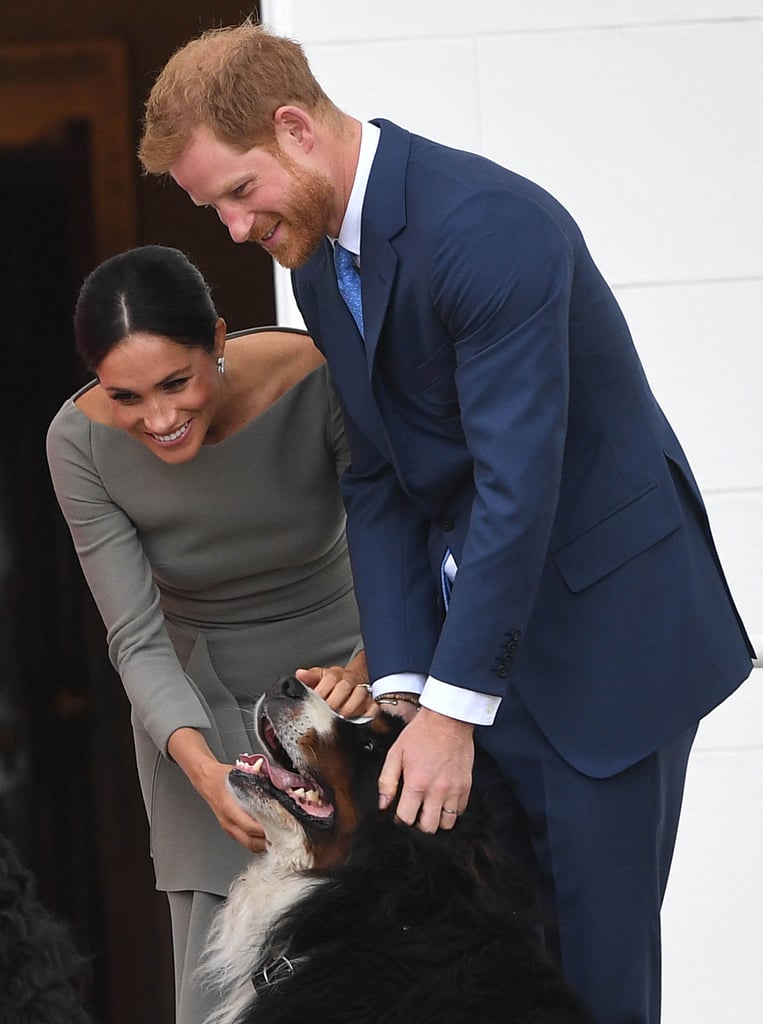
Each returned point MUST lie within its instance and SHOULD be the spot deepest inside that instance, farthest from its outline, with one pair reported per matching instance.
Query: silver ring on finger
(448, 810)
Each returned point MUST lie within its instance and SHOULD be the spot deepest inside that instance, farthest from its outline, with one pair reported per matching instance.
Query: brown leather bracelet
(398, 698)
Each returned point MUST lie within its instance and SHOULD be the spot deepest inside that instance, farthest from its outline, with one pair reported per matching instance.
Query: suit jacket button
(502, 670)
(447, 523)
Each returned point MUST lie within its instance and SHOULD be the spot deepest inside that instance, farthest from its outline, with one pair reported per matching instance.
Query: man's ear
(295, 130)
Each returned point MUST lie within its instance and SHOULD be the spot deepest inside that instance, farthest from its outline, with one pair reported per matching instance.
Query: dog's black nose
(291, 687)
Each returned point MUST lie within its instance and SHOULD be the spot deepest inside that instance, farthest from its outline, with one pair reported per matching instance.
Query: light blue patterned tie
(348, 279)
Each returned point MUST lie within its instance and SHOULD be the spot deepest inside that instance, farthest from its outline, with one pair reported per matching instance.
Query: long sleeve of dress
(120, 579)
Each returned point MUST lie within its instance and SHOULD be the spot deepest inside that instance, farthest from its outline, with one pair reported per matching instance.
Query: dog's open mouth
(300, 794)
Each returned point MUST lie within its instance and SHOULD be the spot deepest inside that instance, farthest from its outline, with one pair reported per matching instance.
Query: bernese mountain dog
(351, 917)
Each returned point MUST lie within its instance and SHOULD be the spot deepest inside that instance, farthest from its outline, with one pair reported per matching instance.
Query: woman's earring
(221, 364)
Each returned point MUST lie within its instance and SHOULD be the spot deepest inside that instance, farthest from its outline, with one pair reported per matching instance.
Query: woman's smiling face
(166, 395)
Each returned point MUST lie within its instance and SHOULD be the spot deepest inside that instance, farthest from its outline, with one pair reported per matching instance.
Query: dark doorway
(69, 796)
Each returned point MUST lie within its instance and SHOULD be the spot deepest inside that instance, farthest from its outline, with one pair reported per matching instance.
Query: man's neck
(349, 231)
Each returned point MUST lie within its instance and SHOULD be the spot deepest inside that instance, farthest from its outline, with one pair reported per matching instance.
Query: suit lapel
(377, 281)
(383, 218)
(328, 318)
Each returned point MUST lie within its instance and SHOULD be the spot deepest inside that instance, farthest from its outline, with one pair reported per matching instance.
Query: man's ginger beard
(304, 217)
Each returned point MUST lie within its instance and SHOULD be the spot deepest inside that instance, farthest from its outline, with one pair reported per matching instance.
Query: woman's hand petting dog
(345, 690)
(209, 777)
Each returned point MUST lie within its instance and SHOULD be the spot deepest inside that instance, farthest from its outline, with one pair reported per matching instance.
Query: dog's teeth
(308, 796)
(257, 766)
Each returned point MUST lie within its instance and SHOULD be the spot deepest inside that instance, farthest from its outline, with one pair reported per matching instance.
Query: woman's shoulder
(268, 362)
(68, 419)
(92, 401)
(71, 431)
(67, 440)
(283, 349)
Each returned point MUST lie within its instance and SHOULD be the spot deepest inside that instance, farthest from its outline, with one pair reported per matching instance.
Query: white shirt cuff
(400, 682)
(453, 701)
(456, 702)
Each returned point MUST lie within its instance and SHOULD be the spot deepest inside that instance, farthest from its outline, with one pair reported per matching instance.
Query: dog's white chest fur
(273, 882)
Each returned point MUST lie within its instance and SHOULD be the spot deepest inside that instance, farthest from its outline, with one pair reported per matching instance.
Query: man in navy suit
(532, 558)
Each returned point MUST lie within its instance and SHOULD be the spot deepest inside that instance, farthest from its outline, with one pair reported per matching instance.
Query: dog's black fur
(405, 926)
(41, 973)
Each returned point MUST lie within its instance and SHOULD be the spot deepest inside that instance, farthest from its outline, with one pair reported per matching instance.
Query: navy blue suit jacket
(498, 409)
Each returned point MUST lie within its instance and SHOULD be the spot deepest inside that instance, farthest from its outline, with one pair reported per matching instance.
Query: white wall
(644, 118)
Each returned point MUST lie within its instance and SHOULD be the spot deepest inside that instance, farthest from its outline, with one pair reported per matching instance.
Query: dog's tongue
(258, 764)
(282, 779)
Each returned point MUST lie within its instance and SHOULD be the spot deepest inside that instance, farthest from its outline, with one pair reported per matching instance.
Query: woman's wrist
(358, 665)
(189, 750)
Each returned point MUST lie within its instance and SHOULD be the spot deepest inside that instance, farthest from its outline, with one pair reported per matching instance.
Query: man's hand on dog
(434, 755)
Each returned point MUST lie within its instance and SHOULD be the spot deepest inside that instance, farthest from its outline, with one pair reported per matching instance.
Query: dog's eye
(370, 746)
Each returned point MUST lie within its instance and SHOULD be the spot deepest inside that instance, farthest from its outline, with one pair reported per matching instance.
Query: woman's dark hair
(152, 289)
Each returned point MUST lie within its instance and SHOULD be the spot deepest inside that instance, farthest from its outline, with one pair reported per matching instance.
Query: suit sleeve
(396, 596)
(388, 543)
(496, 270)
(336, 435)
(119, 576)
(501, 278)
(497, 273)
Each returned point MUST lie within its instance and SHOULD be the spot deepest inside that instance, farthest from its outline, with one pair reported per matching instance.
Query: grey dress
(213, 578)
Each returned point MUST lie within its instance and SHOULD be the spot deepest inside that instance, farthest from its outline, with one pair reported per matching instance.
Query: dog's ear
(381, 730)
(389, 725)
(370, 740)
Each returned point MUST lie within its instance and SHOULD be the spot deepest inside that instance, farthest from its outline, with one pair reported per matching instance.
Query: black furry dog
(41, 972)
(354, 918)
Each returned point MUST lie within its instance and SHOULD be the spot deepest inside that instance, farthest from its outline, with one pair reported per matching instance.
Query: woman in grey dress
(198, 476)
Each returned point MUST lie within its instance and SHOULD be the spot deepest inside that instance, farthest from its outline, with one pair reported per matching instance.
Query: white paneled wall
(644, 118)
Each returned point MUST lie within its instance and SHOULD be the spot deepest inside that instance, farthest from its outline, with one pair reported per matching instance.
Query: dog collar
(272, 973)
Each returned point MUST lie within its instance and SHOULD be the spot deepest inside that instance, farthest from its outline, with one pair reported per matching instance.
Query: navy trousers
(598, 851)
